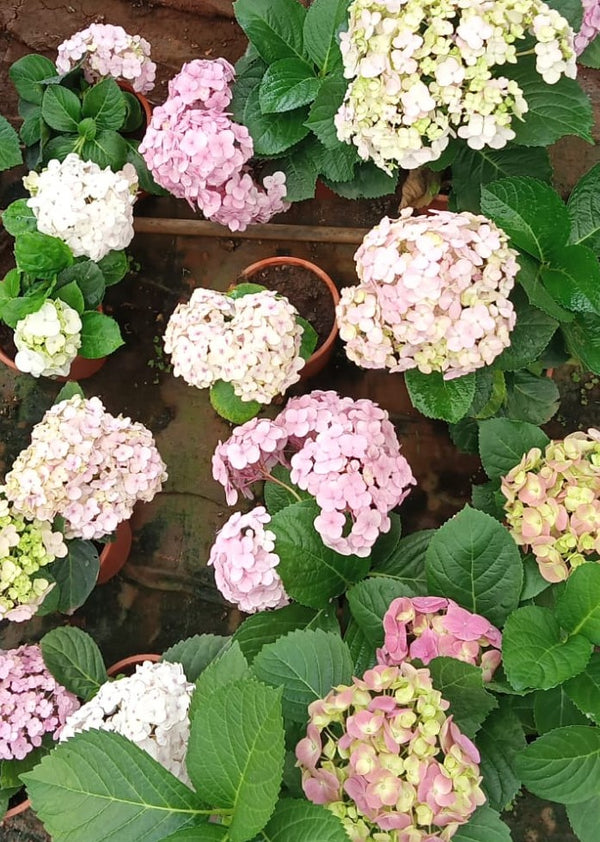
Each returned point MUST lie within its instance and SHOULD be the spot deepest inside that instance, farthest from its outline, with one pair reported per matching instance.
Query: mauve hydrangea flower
(196, 152)
(590, 26)
(252, 342)
(32, 703)
(553, 503)
(150, 708)
(425, 71)
(48, 340)
(344, 452)
(427, 627)
(433, 295)
(382, 755)
(108, 50)
(245, 564)
(87, 466)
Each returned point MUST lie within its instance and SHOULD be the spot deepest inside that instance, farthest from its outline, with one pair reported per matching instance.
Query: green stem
(525, 53)
(271, 478)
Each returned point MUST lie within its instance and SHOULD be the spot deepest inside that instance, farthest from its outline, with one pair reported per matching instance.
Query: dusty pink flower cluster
(383, 757)
(86, 465)
(245, 563)
(427, 627)
(433, 295)
(196, 152)
(109, 51)
(252, 342)
(32, 703)
(590, 26)
(344, 452)
(553, 503)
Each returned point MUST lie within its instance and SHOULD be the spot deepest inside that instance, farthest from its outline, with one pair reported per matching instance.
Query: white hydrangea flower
(150, 708)
(48, 340)
(88, 207)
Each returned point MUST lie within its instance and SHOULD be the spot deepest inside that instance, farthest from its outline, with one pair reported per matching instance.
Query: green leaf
(87, 128)
(363, 654)
(485, 497)
(18, 218)
(17, 308)
(461, 684)
(74, 660)
(338, 164)
(10, 286)
(276, 496)
(503, 443)
(321, 26)
(571, 10)
(274, 27)
(563, 765)
(306, 663)
(71, 295)
(496, 397)
(530, 278)
(578, 604)
(228, 405)
(10, 149)
(533, 581)
(134, 116)
(324, 108)
(465, 434)
(485, 825)
(229, 666)
(534, 653)
(554, 110)
(287, 84)
(100, 335)
(105, 103)
(499, 741)
(236, 752)
(590, 57)
(473, 559)
(553, 709)
(273, 133)
(10, 770)
(61, 109)
(74, 788)
(27, 73)
(59, 147)
(584, 210)
(40, 255)
(200, 833)
(531, 397)
(32, 128)
(89, 280)
(309, 339)
(301, 821)
(196, 653)
(114, 266)
(438, 398)
(246, 80)
(68, 391)
(300, 168)
(472, 168)
(584, 818)
(573, 279)
(369, 601)
(369, 182)
(406, 564)
(107, 149)
(311, 572)
(145, 180)
(387, 542)
(530, 212)
(76, 574)
(584, 689)
(267, 626)
(582, 337)
(531, 334)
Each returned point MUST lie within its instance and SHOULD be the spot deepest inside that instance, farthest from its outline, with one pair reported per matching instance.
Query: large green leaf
(76, 574)
(584, 210)
(278, 496)
(406, 562)
(503, 443)
(554, 709)
(438, 398)
(530, 278)
(531, 397)
(369, 182)
(337, 165)
(107, 149)
(583, 340)
(573, 279)
(590, 57)
(287, 84)
(485, 825)
(321, 25)
(499, 740)
(71, 295)
(27, 73)
(311, 572)
(90, 280)
(563, 765)
(369, 601)
(252, 69)
(105, 103)
(40, 255)
(584, 818)
(229, 666)
(530, 335)
(114, 266)
(578, 605)
(473, 559)
(208, 832)
(535, 653)
(274, 27)
(301, 821)
(266, 626)
(301, 171)
(195, 653)
(74, 660)
(571, 10)
(584, 689)
(363, 654)
(531, 212)
(10, 149)
(462, 685)
(328, 100)
(307, 664)
(61, 109)
(230, 406)
(236, 752)
(18, 218)
(101, 787)
(100, 335)
(273, 133)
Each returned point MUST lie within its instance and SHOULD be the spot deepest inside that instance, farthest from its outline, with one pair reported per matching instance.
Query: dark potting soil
(304, 290)
(6, 341)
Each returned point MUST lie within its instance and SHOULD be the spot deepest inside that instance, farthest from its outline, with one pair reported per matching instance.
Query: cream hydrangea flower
(48, 340)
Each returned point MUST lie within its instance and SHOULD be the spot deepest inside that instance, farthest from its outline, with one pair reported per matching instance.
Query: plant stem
(289, 489)
(525, 53)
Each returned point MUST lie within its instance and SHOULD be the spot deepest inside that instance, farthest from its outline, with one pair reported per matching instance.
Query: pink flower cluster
(245, 563)
(553, 503)
(344, 452)
(426, 627)
(590, 26)
(196, 152)
(383, 757)
(87, 466)
(433, 295)
(32, 703)
(109, 51)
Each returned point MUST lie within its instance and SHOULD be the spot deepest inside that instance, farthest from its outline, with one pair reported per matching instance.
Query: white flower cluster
(252, 342)
(90, 208)
(150, 708)
(424, 71)
(48, 340)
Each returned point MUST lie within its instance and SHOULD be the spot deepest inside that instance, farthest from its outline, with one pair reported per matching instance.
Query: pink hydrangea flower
(427, 627)
(590, 26)
(344, 452)
(245, 564)
(382, 755)
(32, 703)
(553, 503)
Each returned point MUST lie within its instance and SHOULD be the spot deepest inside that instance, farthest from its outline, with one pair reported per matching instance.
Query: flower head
(590, 26)
(48, 340)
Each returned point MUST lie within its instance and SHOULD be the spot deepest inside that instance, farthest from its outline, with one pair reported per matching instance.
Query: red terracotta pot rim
(132, 661)
(326, 347)
(17, 810)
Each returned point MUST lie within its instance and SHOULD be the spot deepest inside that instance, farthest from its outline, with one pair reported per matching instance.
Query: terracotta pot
(115, 554)
(439, 202)
(323, 193)
(317, 361)
(16, 811)
(81, 368)
(127, 665)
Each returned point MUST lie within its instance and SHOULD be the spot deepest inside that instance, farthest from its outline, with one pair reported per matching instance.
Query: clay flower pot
(321, 356)
(127, 665)
(21, 807)
(115, 554)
